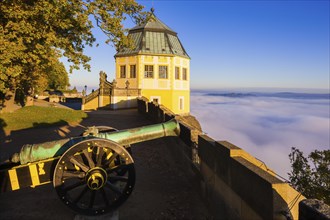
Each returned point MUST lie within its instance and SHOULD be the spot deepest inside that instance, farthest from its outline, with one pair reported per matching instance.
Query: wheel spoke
(73, 174)
(122, 168)
(73, 186)
(83, 192)
(91, 202)
(113, 156)
(99, 156)
(114, 188)
(89, 159)
(79, 164)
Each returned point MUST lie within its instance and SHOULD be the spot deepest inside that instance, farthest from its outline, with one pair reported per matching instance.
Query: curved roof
(153, 37)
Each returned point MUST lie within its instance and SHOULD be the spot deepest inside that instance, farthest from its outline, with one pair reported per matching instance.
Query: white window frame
(148, 74)
(177, 73)
(162, 73)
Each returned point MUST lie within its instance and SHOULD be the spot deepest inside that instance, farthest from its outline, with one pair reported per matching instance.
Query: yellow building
(158, 66)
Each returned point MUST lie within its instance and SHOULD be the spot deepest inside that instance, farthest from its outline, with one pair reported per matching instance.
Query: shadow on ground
(43, 132)
(3, 124)
(164, 189)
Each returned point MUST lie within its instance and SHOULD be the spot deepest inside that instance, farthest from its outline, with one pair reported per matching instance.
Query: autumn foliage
(35, 34)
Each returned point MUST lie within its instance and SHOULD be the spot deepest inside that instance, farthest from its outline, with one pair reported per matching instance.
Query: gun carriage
(92, 174)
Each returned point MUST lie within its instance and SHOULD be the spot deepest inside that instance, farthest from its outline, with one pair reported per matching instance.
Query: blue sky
(239, 44)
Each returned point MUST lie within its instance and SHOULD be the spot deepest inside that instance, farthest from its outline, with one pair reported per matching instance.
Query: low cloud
(266, 126)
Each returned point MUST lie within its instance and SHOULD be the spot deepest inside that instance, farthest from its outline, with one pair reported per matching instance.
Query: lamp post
(85, 90)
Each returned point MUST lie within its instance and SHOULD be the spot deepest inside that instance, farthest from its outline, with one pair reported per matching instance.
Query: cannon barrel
(36, 152)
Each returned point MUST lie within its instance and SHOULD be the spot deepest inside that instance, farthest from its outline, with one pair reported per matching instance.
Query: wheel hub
(96, 178)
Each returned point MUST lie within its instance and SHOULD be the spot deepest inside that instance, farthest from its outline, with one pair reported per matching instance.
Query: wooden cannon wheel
(94, 176)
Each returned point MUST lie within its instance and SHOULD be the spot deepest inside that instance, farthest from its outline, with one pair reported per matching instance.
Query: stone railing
(234, 183)
(91, 96)
(126, 92)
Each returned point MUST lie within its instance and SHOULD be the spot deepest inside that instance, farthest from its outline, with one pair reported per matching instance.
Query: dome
(153, 38)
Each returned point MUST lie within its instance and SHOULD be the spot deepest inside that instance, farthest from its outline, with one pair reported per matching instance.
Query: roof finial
(152, 10)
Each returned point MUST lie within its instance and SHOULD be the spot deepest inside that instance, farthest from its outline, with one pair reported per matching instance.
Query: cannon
(92, 174)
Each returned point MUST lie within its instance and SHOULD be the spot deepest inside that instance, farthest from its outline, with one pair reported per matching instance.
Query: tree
(54, 78)
(58, 78)
(34, 34)
(74, 90)
(311, 176)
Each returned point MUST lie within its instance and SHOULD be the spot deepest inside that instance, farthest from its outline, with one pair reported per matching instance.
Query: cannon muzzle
(35, 152)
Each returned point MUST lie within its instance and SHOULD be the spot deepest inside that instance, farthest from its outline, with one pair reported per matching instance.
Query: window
(184, 73)
(122, 71)
(177, 72)
(181, 103)
(132, 71)
(162, 72)
(148, 71)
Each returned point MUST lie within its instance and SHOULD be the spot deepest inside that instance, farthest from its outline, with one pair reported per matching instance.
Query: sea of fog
(266, 124)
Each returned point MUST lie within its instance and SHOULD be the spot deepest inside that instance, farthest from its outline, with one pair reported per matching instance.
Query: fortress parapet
(235, 184)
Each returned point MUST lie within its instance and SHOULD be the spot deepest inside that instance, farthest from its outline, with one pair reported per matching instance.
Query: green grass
(35, 116)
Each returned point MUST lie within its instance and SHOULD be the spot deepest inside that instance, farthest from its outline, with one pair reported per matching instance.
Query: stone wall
(235, 184)
(92, 104)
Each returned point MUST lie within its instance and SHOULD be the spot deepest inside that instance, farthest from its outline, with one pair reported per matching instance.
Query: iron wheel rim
(80, 171)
